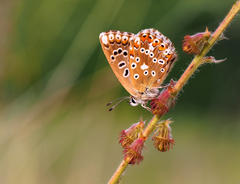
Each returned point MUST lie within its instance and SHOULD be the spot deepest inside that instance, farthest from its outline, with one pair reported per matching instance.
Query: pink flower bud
(194, 44)
(163, 137)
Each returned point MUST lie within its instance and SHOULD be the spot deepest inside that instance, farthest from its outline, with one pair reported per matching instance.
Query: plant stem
(197, 61)
(118, 173)
(151, 126)
(123, 165)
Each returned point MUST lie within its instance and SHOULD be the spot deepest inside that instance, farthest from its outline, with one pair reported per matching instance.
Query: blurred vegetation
(55, 82)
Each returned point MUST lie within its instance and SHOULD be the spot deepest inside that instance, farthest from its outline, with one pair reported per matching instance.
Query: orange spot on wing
(131, 51)
(154, 44)
(150, 38)
(118, 40)
(136, 44)
(161, 47)
(168, 56)
(144, 38)
(124, 42)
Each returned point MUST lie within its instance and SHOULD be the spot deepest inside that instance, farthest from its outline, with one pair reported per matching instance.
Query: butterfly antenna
(120, 100)
(115, 101)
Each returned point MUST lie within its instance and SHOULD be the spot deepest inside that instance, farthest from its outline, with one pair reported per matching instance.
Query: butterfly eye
(133, 101)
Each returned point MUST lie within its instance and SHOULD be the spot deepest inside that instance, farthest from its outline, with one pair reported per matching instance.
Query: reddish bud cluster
(133, 153)
(132, 133)
(164, 101)
(132, 141)
(163, 137)
(194, 44)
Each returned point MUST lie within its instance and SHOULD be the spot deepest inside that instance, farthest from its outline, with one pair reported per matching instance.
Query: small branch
(151, 126)
(123, 165)
(197, 61)
(118, 173)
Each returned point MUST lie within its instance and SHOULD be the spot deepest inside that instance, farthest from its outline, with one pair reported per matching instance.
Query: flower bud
(132, 133)
(194, 44)
(133, 153)
(163, 137)
(164, 101)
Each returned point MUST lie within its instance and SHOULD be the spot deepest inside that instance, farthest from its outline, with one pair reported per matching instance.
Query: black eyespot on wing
(126, 72)
(119, 51)
(121, 64)
(115, 52)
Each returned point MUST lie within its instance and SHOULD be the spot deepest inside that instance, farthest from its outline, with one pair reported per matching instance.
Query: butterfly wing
(115, 45)
(151, 59)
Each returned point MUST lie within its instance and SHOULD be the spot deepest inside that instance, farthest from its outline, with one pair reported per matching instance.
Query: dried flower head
(133, 153)
(194, 44)
(163, 137)
(132, 133)
(164, 101)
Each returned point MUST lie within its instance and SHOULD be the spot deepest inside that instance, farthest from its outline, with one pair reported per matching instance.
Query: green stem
(151, 126)
(118, 173)
(197, 61)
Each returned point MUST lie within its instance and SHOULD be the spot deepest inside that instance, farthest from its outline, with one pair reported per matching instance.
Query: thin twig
(197, 61)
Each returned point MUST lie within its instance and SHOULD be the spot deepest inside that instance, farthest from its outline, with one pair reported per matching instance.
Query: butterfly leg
(145, 107)
(163, 86)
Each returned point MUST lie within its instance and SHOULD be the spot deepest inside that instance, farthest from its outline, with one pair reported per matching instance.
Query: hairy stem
(118, 173)
(151, 126)
(197, 61)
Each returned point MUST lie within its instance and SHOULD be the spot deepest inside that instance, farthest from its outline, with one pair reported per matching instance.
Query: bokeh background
(55, 82)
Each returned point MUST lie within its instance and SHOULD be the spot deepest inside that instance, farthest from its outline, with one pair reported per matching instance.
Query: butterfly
(141, 62)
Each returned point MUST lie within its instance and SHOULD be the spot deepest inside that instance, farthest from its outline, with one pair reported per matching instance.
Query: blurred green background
(55, 82)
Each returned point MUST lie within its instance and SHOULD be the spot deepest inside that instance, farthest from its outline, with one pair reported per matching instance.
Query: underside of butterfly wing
(116, 47)
(151, 58)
